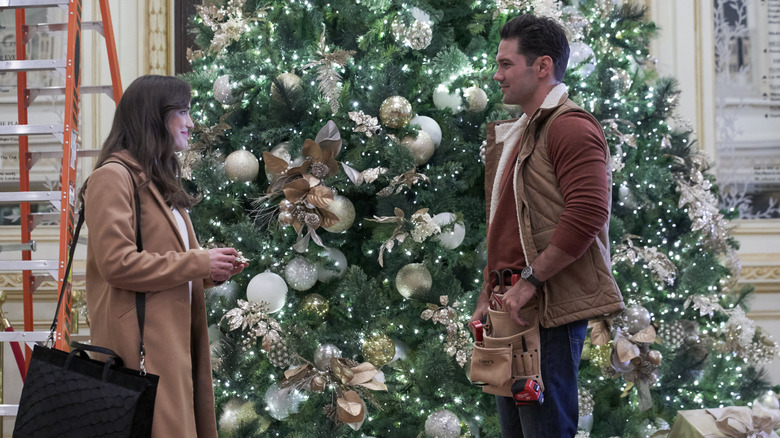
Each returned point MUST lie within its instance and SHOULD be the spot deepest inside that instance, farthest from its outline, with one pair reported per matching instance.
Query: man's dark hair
(539, 36)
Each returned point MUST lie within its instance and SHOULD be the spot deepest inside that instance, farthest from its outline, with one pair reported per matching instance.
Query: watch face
(527, 272)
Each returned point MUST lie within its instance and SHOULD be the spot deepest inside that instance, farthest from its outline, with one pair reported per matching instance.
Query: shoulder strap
(140, 299)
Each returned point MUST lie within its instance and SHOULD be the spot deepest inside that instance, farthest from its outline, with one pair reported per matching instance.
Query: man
(548, 193)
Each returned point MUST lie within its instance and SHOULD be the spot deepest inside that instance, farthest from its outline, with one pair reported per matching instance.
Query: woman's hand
(222, 263)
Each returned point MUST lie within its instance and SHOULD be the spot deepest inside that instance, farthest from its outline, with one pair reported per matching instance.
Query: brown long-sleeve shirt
(578, 155)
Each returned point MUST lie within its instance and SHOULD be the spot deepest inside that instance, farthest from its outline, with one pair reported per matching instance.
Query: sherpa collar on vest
(509, 134)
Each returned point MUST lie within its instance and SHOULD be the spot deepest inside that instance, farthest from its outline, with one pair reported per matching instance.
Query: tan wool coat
(175, 330)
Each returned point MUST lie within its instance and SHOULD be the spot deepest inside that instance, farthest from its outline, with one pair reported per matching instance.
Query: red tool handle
(18, 355)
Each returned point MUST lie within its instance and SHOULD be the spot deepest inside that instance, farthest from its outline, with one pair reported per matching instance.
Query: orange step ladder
(67, 134)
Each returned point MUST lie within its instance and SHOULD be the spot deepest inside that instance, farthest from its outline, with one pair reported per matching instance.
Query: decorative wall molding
(157, 38)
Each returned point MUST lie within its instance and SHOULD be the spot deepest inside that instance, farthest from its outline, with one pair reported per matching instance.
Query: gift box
(731, 422)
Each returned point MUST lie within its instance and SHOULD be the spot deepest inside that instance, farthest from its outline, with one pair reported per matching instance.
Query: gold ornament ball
(395, 112)
(343, 208)
(314, 307)
(600, 354)
(242, 166)
(379, 349)
(290, 84)
(654, 356)
(421, 147)
(476, 99)
(413, 279)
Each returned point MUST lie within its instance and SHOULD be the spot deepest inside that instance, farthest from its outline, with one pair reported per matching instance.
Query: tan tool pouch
(509, 352)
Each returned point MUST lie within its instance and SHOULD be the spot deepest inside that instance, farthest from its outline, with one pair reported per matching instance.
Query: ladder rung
(37, 336)
(54, 91)
(32, 65)
(58, 154)
(32, 3)
(9, 410)
(13, 197)
(31, 246)
(28, 265)
(54, 27)
(30, 130)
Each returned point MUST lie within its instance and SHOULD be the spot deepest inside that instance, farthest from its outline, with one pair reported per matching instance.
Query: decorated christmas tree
(338, 147)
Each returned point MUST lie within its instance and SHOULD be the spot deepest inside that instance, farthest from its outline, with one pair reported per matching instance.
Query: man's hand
(516, 297)
(482, 307)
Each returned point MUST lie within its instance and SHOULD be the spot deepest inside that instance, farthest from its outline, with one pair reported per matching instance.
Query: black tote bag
(69, 395)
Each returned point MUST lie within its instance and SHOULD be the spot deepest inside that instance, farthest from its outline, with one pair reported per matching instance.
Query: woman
(151, 124)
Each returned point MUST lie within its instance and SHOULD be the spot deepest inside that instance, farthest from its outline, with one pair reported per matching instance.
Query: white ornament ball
(222, 90)
(443, 99)
(242, 166)
(421, 147)
(453, 238)
(339, 261)
(282, 150)
(215, 334)
(324, 354)
(268, 287)
(300, 273)
(582, 58)
(343, 208)
(413, 279)
(585, 423)
(430, 126)
(442, 424)
(476, 99)
(768, 400)
(281, 402)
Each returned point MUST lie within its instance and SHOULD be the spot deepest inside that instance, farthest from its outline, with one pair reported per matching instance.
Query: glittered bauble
(476, 99)
(242, 166)
(324, 354)
(421, 147)
(768, 400)
(442, 424)
(343, 208)
(314, 308)
(300, 273)
(413, 279)
(290, 84)
(585, 402)
(236, 413)
(455, 232)
(335, 268)
(637, 319)
(222, 90)
(443, 99)
(267, 287)
(395, 112)
(430, 126)
(378, 349)
(419, 35)
(581, 59)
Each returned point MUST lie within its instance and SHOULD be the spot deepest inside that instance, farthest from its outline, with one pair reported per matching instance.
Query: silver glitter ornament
(242, 166)
(222, 90)
(290, 85)
(300, 273)
(637, 318)
(413, 279)
(476, 99)
(442, 424)
(324, 354)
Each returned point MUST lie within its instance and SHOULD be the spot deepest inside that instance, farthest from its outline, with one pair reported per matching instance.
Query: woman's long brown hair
(140, 127)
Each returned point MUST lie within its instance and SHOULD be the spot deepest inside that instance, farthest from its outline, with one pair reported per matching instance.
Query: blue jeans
(558, 415)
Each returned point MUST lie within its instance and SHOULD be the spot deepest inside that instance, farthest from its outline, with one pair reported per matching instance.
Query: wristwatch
(527, 274)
